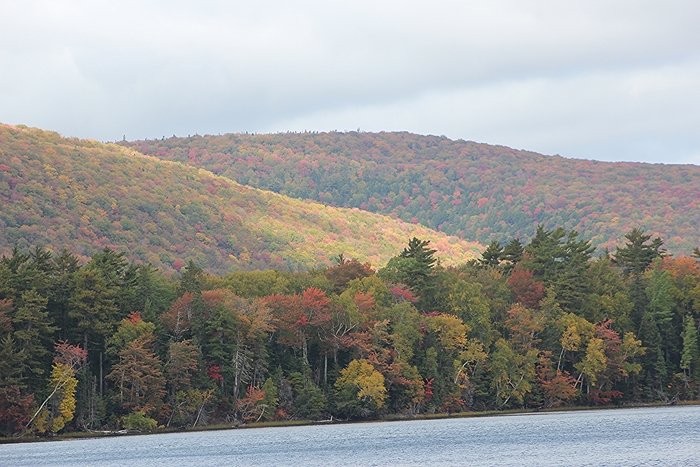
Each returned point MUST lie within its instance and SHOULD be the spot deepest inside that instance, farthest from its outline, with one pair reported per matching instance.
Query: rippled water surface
(649, 436)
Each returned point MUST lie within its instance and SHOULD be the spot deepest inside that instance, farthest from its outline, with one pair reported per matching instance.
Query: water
(649, 436)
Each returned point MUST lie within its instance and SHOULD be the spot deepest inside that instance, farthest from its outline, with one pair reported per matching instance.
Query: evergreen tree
(34, 332)
(492, 255)
(64, 267)
(654, 369)
(634, 258)
(638, 253)
(191, 280)
(415, 268)
(690, 357)
(512, 254)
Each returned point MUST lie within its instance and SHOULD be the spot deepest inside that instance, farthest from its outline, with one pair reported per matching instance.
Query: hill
(56, 191)
(471, 190)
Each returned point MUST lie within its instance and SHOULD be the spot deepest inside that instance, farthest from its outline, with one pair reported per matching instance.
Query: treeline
(111, 344)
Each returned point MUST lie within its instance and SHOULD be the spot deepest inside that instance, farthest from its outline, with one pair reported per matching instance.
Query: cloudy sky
(608, 80)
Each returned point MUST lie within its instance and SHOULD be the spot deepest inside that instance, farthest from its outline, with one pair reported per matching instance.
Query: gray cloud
(603, 80)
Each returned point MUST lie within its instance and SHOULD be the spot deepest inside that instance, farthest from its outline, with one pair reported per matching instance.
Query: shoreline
(293, 423)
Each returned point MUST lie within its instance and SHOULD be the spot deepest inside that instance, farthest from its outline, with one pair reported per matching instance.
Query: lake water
(648, 436)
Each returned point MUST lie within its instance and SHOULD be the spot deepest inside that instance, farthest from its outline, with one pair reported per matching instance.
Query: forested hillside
(89, 196)
(475, 191)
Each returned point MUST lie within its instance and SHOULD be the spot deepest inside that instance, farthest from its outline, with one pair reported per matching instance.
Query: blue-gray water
(649, 436)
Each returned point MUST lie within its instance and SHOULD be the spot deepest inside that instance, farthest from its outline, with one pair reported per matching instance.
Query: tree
(637, 253)
(467, 301)
(525, 288)
(654, 370)
(93, 307)
(345, 271)
(15, 401)
(191, 280)
(62, 386)
(492, 255)
(512, 255)
(415, 268)
(182, 365)
(512, 373)
(308, 401)
(594, 362)
(634, 258)
(130, 328)
(138, 379)
(558, 387)
(360, 390)
(33, 332)
(690, 356)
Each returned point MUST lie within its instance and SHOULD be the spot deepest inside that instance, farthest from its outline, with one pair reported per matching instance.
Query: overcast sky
(608, 80)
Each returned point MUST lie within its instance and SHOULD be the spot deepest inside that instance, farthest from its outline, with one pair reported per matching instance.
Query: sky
(606, 80)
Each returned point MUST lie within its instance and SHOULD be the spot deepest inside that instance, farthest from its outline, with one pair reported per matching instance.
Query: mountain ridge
(464, 188)
(61, 190)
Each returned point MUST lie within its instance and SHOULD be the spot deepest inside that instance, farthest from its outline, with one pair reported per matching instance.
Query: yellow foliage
(63, 377)
(595, 361)
(370, 382)
(451, 331)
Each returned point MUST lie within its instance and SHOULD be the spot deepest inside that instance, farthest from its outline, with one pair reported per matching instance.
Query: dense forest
(89, 196)
(475, 191)
(110, 344)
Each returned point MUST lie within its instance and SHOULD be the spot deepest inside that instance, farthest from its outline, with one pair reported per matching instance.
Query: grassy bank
(291, 423)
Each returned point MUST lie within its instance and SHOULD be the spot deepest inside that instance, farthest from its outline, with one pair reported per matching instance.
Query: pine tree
(653, 363)
(34, 332)
(512, 255)
(690, 356)
(492, 255)
(637, 254)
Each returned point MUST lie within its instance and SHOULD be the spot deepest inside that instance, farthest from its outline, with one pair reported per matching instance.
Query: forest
(106, 343)
(475, 191)
(88, 196)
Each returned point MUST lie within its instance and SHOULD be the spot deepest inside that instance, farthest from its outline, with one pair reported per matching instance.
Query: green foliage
(690, 357)
(492, 255)
(309, 403)
(138, 421)
(342, 341)
(638, 253)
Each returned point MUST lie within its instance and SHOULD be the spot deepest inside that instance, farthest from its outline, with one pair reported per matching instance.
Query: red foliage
(525, 288)
(364, 301)
(15, 409)
(177, 319)
(604, 397)
(453, 403)
(71, 355)
(178, 264)
(558, 389)
(314, 300)
(214, 372)
(134, 317)
(428, 388)
(402, 293)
